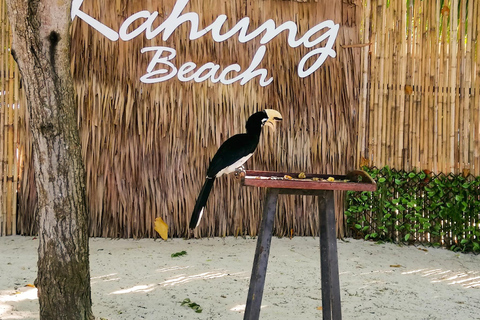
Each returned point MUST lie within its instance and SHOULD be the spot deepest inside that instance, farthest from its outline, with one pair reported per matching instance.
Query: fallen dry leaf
(395, 265)
(161, 227)
(319, 308)
(30, 285)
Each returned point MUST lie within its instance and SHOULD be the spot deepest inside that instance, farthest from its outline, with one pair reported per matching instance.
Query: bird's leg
(240, 172)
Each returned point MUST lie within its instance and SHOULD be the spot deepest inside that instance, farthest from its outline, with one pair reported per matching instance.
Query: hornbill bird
(232, 154)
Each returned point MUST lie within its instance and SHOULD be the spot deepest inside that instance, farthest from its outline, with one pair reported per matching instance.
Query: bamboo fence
(403, 91)
(421, 86)
(11, 133)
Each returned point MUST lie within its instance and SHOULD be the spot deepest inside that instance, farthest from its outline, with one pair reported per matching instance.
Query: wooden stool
(312, 185)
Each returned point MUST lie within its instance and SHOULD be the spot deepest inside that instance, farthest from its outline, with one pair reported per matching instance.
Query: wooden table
(312, 185)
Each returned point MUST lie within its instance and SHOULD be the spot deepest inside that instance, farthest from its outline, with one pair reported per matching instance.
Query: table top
(357, 180)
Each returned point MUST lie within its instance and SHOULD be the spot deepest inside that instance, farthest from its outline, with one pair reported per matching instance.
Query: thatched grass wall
(147, 146)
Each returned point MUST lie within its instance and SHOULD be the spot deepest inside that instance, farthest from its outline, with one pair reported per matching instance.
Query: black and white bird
(232, 154)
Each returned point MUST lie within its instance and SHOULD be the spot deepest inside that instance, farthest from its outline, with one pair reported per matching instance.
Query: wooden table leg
(259, 270)
(331, 303)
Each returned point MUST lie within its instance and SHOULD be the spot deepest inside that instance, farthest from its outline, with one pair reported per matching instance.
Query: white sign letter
(158, 59)
(323, 55)
(250, 73)
(125, 36)
(97, 25)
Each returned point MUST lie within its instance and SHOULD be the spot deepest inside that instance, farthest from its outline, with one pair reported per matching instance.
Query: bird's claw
(240, 172)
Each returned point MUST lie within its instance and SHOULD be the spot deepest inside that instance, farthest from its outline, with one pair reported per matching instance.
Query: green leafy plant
(194, 306)
(178, 254)
(418, 207)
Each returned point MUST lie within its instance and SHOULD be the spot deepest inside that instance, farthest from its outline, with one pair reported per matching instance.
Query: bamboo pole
(453, 83)
(446, 142)
(462, 100)
(438, 45)
(441, 89)
(388, 96)
(3, 217)
(383, 82)
(432, 127)
(408, 141)
(362, 151)
(378, 74)
(10, 147)
(373, 106)
(417, 81)
(400, 94)
(422, 98)
(16, 146)
(435, 42)
(476, 96)
(468, 103)
(382, 100)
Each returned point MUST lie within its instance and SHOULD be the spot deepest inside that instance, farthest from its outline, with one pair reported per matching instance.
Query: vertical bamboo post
(417, 83)
(401, 46)
(2, 121)
(435, 66)
(10, 148)
(363, 142)
(441, 88)
(408, 139)
(432, 105)
(388, 95)
(373, 105)
(379, 103)
(476, 97)
(16, 162)
(468, 103)
(383, 81)
(453, 82)
(438, 46)
(414, 86)
(461, 80)
(444, 82)
(422, 98)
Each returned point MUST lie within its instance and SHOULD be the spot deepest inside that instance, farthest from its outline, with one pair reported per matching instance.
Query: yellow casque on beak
(273, 117)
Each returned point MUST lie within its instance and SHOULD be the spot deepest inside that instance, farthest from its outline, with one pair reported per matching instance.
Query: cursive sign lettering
(162, 68)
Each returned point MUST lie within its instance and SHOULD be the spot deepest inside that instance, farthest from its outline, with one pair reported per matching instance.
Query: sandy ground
(138, 279)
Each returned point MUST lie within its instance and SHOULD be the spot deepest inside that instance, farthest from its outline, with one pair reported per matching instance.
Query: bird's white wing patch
(231, 168)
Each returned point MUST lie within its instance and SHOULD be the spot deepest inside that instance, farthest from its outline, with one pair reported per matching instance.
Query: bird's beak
(273, 117)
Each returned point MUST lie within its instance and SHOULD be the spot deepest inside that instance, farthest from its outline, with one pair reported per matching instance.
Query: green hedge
(418, 207)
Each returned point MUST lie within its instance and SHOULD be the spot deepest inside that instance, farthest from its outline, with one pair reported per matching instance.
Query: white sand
(138, 279)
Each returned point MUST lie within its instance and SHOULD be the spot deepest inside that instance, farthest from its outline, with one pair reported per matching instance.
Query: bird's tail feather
(201, 202)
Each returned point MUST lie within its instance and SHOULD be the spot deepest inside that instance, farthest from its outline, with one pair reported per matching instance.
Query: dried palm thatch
(147, 146)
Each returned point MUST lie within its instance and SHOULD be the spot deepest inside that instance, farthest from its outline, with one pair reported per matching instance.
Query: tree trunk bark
(41, 47)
